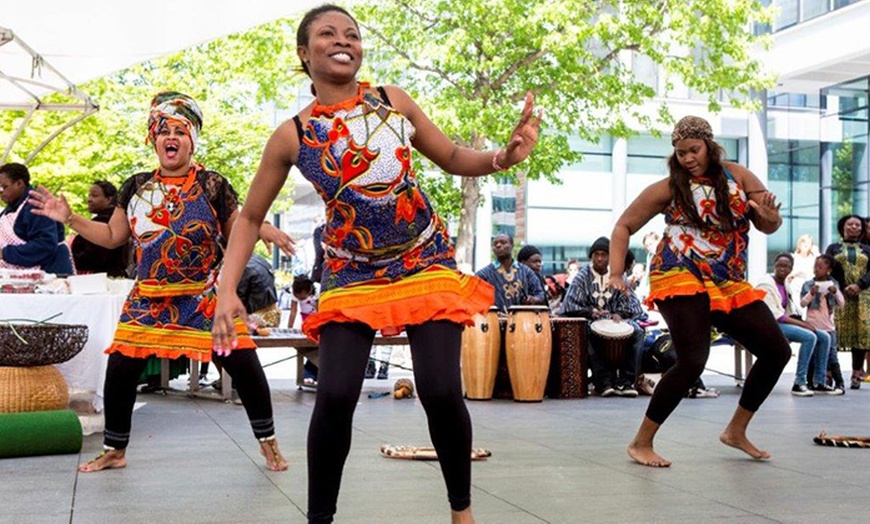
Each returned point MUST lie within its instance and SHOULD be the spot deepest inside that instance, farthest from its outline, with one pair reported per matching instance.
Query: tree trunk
(520, 232)
(467, 220)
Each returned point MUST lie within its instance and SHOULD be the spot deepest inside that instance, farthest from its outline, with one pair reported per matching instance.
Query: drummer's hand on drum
(617, 283)
(616, 318)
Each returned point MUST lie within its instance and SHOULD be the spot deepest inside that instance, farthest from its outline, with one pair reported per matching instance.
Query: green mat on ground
(39, 433)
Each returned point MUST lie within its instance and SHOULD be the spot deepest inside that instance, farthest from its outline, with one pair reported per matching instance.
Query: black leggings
(344, 353)
(690, 320)
(122, 376)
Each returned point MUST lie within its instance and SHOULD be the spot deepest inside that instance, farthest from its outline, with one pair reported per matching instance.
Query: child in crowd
(304, 300)
(821, 296)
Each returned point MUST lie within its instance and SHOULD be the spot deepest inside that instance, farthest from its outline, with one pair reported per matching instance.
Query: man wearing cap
(515, 284)
(590, 297)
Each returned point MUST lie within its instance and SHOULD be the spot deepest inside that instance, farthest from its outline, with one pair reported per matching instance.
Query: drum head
(607, 328)
(535, 309)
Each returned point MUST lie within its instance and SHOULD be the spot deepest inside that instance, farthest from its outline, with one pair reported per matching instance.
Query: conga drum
(610, 340)
(528, 344)
(568, 368)
(481, 344)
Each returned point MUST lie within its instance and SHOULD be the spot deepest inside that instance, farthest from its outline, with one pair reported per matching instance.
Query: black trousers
(689, 319)
(122, 374)
(344, 353)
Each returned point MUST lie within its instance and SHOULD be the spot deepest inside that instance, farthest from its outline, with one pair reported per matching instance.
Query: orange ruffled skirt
(724, 296)
(436, 293)
(171, 341)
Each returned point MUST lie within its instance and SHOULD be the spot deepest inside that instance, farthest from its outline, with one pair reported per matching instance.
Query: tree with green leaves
(469, 63)
(238, 80)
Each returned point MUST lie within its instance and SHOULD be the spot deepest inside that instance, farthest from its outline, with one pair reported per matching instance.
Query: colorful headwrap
(691, 127)
(171, 105)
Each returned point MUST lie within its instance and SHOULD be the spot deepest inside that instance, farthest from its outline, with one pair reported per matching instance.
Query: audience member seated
(590, 297)
(28, 240)
(814, 343)
(821, 296)
(515, 284)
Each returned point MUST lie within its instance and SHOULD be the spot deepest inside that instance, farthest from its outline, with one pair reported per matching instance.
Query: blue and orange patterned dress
(175, 224)
(389, 261)
(711, 259)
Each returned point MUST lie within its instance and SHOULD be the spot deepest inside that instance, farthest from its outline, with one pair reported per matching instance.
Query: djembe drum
(481, 344)
(610, 340)
(568, 368)
(528, 345)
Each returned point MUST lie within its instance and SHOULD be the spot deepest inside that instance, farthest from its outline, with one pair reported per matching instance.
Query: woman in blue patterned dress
(389, 262)
(698, 277)
(176, 216)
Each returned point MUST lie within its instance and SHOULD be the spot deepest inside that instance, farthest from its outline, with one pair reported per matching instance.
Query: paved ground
(193, 460)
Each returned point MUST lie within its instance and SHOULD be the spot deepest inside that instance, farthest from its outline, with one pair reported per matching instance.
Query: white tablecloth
(86, 372)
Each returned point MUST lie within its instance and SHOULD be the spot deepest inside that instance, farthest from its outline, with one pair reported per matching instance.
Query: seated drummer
(515, 284)
(589, 297)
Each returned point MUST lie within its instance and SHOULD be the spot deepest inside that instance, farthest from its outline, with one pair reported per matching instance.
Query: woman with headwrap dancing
(698, 277)
(176, 216)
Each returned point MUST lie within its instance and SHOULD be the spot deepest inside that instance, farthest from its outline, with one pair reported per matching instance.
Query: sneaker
(828, 390)
(607, 391)
(626, 391)
(383, 371)
(703, 393)
(645, 386)
(801, 390)
(370, 369)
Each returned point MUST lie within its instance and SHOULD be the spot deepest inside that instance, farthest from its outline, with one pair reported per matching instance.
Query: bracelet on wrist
(495, 164)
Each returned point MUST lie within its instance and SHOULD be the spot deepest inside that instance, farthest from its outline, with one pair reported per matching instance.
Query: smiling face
(692, 154)
(334, 49)
(174, 148)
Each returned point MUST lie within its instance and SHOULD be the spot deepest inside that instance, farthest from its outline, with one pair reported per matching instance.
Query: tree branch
(416, 65)
(514, 67)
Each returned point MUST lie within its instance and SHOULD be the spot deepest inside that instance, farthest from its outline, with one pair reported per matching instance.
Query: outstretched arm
(278, 156)
(109, 235)
(463, 161)
(652, 201)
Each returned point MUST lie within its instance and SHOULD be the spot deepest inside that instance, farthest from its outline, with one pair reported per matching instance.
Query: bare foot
(274, 460)
(742, 443)
(645, 456)
(461, 517)
(110, 459)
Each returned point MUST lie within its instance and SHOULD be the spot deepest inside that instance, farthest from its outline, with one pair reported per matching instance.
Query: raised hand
(525, 135)
(767, 208)
(46, 204)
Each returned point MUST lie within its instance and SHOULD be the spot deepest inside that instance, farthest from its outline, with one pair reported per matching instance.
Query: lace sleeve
(221, 195)
(129, 188)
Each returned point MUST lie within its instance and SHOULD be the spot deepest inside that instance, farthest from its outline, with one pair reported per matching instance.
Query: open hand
(617, 283)
(46, 204)
(270, 235)
(525, 135)
(767, 209)
(223, 330)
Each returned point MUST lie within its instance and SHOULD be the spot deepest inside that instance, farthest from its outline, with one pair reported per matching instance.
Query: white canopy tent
(48, 46)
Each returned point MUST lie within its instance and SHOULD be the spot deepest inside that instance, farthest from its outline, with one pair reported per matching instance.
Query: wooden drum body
(481, 344)
(610, 340)
(568, 367)
(528, 344)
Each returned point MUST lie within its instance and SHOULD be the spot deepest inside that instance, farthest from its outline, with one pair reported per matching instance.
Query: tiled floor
(558, 461)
